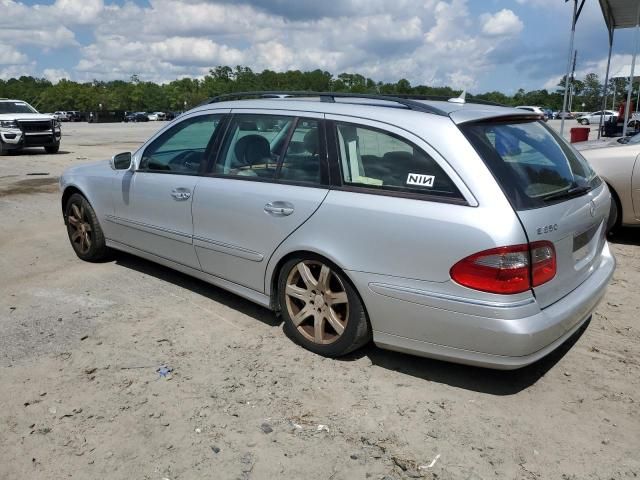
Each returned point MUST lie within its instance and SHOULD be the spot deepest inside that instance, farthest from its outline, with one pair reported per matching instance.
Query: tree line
(182, 94)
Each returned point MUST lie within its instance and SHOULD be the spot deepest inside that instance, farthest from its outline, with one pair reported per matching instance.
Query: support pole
(633, 67)
(566, 79)
(606, 84)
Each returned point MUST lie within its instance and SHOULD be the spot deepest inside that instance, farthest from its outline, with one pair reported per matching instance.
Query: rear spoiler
(470, 116)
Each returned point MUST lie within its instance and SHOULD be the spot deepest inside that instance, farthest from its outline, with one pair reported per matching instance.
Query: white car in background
(594, 117)
(157, 116)
(616, 162)
(61, 116)
(533, 109)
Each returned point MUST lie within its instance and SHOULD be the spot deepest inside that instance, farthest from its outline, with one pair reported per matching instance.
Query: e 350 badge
(420, 180)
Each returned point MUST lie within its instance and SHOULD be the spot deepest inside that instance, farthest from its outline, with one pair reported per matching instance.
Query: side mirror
(121, 161)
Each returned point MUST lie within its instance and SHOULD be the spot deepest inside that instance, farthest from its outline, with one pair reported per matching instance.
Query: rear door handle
(279, 209)
(181, 193)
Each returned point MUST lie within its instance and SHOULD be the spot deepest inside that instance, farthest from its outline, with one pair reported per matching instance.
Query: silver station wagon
(449, 229)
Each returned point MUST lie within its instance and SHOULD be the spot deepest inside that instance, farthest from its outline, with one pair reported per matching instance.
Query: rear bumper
(509, 342)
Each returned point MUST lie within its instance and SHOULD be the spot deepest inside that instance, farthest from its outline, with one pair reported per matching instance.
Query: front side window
(253, 145)
(183, 148)
(375, 159)
(532, 164)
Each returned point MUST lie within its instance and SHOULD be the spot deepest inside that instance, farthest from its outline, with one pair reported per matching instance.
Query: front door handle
(279, 209)
(181, 193)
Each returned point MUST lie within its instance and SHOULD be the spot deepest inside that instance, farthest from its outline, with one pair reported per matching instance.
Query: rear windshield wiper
(571, 192)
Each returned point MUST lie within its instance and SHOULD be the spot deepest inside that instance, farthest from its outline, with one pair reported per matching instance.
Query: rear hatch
(555, 193)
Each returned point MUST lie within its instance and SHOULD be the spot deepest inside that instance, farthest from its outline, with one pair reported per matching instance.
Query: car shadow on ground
(626, 236)
(35, 151)
(483, 380)
(493, 382)
(196, 286)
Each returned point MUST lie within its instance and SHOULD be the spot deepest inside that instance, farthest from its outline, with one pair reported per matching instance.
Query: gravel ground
(82, 397)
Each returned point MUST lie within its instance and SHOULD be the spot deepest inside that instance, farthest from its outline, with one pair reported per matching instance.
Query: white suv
(22, 126)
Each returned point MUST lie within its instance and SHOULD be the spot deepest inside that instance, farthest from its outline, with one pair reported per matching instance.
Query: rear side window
(301, 162)
(380, 160)
(253, 145)
(532, 164)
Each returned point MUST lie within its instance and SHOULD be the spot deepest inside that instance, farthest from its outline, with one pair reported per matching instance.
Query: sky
(479, 45)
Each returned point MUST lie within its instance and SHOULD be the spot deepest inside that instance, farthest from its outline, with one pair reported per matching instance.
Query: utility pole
(576, 15)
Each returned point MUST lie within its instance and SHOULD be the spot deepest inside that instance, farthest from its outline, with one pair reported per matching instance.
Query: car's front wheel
(584, 121)
(52, 149)
(321, 309)
(83, 228)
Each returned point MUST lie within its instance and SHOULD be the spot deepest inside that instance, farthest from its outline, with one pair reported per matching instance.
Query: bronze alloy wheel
(317, 302)
(80, 231)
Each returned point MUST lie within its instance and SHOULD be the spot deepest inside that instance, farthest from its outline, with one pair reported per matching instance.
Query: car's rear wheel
(83, 228)
(321, 309)
(615, 214)
(52, 149)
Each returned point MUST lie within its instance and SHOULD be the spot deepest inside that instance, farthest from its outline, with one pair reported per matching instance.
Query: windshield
(16, 107)
(532, 164)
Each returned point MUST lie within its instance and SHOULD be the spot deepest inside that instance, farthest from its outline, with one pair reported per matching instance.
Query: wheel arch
(273, 274)
(66, 194)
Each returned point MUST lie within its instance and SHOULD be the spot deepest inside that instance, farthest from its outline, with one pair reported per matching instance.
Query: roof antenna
(460, 99)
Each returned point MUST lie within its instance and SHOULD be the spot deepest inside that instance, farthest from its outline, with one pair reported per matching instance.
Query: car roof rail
(439, 98)
(330, 97)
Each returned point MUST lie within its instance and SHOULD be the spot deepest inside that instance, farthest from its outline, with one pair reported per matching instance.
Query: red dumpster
(580, 134)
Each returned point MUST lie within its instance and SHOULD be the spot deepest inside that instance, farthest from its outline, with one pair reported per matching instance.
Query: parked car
(464, 232)
(61, 116)
(594, 117)
(157, 116)
(136, 117)
(22, 126)
(565, 115)
(536, 110)
(616, 162)
(75, 116)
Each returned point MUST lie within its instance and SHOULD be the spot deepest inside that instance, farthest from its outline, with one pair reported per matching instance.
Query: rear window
(532, 164)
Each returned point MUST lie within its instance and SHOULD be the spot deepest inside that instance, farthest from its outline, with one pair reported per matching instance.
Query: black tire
(584, 121)
(52, 149)
(357, 331)
(615, 215)
(96, 249)
(3, 151)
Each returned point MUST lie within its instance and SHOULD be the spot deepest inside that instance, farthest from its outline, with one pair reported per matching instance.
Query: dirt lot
(81, 396)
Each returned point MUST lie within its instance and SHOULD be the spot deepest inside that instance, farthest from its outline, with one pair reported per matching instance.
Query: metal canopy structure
(619, 14)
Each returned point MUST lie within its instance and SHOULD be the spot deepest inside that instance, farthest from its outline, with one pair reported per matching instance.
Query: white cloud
(54, 75)
(502, 23)
(426, 41)
(78, 11)
(11, 56)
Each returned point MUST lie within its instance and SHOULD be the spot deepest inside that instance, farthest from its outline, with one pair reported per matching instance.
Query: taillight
(507, 270)
(543, 262)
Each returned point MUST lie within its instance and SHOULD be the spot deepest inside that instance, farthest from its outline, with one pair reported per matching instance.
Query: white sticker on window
(420, 180)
